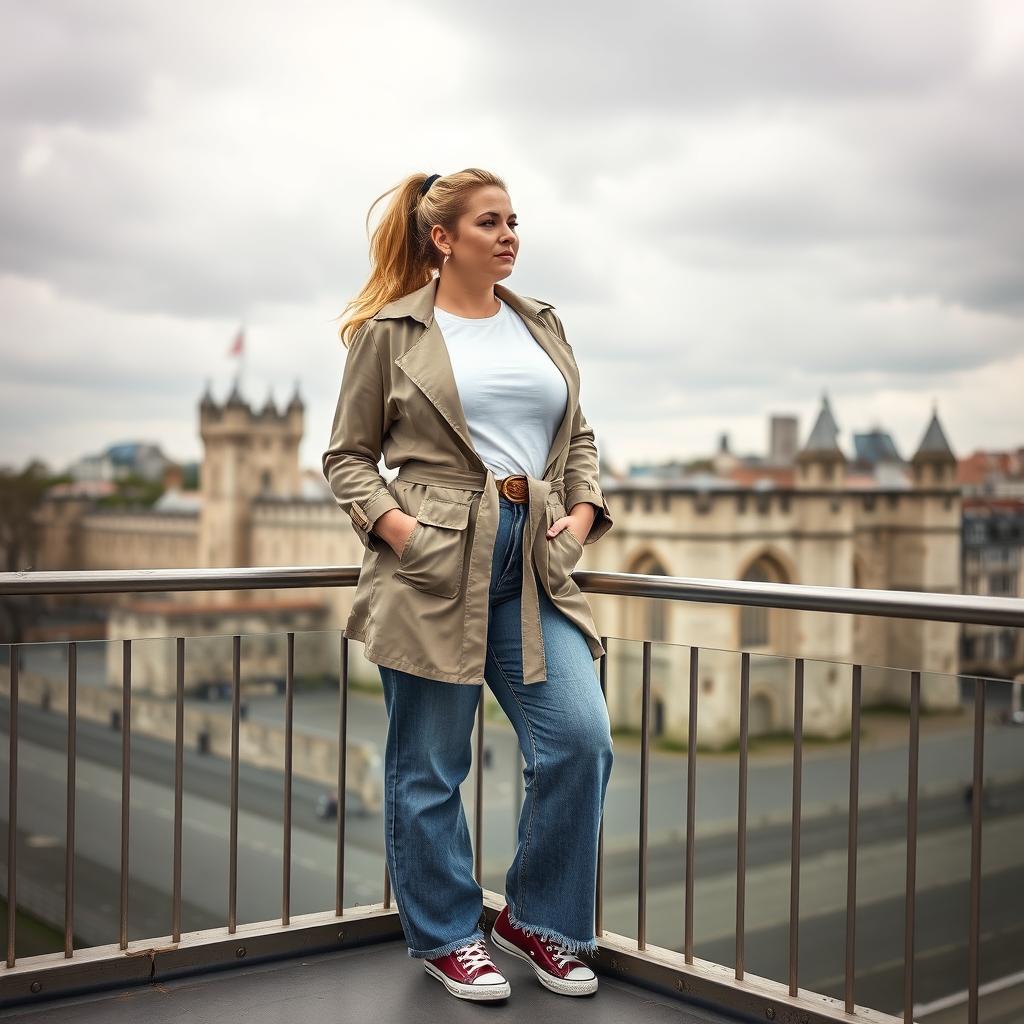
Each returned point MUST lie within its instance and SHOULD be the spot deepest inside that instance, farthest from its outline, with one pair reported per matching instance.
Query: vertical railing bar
(741, 814)
(339, 897)
(12, 805)
(126, 705)
(236, 715)
(973, 937)
(691, 805)
(387, 880)
(69, 827)
(387, 875)
(478, 795)
(910, 905)
(599, 895)
(179, 754)
(286, 859)
(794, 845)
(851, 842)
(645, 751)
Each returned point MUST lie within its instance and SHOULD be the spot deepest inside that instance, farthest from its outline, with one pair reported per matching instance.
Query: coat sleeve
(360, 424)
(582, 466)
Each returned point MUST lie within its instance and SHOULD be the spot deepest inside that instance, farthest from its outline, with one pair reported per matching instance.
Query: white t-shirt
(513, 395)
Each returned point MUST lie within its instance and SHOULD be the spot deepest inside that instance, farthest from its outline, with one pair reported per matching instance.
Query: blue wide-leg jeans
(565, 736)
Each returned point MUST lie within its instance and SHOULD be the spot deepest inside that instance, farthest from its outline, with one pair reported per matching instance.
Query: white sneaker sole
(477, 992)
(562, 986)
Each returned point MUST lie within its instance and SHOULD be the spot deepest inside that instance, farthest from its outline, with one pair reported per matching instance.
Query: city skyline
(846, 438)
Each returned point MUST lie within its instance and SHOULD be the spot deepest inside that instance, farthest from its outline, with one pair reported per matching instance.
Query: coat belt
(477, 605)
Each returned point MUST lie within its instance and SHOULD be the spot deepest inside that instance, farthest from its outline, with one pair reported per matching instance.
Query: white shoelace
(475, 955)
(562, 956)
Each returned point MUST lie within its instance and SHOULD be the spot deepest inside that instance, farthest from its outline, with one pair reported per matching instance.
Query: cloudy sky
(734, 205)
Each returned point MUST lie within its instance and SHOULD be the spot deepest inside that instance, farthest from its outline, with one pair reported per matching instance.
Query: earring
(447, 255)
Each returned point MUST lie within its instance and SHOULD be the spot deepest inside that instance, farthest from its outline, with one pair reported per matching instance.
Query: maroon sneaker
(556, 968)
(469, 973)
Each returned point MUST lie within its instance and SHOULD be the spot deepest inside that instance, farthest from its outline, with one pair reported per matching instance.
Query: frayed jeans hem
(572, 945)
(433, 954)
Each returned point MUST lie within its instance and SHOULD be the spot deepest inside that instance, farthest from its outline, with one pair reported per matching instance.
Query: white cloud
(732, 210)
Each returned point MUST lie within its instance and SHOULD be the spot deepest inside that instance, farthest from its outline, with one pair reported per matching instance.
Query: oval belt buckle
(515, 488)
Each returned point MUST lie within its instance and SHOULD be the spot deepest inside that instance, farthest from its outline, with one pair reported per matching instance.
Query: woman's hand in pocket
(395, 527)
(578, 522)
(565, 523)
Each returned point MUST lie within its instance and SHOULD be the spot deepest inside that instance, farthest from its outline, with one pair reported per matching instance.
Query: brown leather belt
(515, 488)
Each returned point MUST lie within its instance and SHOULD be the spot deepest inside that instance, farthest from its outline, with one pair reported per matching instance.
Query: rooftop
(375, 982)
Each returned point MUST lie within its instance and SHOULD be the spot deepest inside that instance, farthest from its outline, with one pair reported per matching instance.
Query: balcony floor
(378, 982)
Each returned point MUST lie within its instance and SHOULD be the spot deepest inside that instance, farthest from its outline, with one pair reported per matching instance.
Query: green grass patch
(770, 742)
(890, 709)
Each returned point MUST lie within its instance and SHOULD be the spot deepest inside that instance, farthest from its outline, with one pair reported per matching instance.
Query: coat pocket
(564, 549)
(433, 556)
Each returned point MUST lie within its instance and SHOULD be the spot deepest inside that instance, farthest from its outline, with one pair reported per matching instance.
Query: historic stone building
(252, 510)
(822, 524)
(820, 530)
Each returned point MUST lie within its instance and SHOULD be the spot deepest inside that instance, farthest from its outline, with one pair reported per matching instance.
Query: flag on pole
(238, 343)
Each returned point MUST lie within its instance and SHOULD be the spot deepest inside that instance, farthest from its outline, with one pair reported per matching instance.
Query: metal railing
(40, 976)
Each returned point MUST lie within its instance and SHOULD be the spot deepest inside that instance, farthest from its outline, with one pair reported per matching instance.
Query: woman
(472, 392)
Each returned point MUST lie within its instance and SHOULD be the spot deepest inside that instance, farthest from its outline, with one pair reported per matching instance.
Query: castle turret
(933, 563)
(724, 461)
(248, 455)
(269, 408)
(821, 462)
(934, 463)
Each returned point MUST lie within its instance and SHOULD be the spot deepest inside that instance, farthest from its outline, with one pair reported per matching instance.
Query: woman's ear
(442, 243)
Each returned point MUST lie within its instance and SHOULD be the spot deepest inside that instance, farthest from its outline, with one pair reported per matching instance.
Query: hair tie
(426, 185)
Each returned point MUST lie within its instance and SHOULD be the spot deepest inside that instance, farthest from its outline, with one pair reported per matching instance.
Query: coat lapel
(427, 364)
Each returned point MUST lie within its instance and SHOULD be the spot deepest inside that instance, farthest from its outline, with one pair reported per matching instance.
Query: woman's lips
(505, 256)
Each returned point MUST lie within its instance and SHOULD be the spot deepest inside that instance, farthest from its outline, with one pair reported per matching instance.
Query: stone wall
(261, 744)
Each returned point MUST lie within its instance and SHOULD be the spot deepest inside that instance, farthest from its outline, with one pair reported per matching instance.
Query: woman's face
(486, 231)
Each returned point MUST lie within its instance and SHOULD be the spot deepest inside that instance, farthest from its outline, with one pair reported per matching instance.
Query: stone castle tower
(934, 463)
(821, 462)
(885, 538)
(247, 455)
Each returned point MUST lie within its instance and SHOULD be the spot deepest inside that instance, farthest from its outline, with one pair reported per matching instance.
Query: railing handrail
(963, 608)
(908, 604)
(144, 581)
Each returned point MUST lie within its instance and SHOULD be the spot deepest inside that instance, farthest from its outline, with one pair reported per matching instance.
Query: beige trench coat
(426, 611)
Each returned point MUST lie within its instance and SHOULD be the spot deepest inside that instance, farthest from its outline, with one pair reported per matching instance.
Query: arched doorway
(648, 619)
(870, 631)
(764, 629)
(762, 718)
